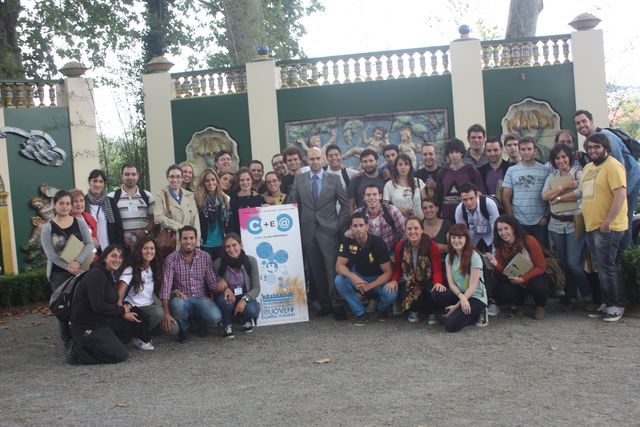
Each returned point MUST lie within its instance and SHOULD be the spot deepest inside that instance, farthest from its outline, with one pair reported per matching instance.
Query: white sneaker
(247, 327)
(432, 320)
(493, 309)
(141, 345)
(413, 317)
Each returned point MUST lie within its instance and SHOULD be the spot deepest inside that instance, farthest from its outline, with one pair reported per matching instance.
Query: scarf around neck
(103, 201)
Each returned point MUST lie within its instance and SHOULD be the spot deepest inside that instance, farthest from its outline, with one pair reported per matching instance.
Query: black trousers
(507, 293)
(56, 279)
(458, 319)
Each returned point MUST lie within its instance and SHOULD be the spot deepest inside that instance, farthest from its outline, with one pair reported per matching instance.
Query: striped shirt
(134, 211)
(188, 277)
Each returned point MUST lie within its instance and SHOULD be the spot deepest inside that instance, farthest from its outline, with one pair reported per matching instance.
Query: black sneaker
(598, 313)
(72, 356)
(247, 327)
(383, 316)
(182, 337)
(483, 319)
(361, 320)
(228, 332)
(612, 317)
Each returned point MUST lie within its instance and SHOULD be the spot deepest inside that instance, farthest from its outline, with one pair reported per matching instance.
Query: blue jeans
(251, 310)
(632, 199)
(569, 250)
(345, 287)
(201, 310)
(604, 248)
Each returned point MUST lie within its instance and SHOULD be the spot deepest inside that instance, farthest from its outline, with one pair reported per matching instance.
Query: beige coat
(185, 213)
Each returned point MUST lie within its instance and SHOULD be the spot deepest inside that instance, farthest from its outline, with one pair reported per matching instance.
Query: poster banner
(272, 235)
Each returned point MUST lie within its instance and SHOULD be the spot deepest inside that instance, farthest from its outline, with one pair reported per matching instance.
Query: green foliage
(631, 275)
(24, 288)
(116, 152)
(282, 29)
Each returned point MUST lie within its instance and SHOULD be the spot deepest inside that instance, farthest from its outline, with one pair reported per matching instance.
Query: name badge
(237, 291)
(133, 207)
(481, 229)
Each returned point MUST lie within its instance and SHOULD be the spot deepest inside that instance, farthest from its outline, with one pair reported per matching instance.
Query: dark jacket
(484, 169)
(114, 230)
(94, 304)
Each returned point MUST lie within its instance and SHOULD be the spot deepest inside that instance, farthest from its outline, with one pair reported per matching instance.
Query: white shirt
(101, 225)
(403, 198)
(145, 296)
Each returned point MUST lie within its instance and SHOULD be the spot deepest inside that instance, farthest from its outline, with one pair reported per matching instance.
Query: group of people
(438, 243)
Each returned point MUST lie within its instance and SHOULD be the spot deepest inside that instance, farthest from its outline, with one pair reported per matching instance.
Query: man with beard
(369, 165)
(475, 156)
(189, 281)
(604, 206)
(585, 126)
(493, 172)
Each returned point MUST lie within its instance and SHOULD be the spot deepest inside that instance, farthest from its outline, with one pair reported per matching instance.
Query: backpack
(483, 207)
(118, 193)
(345, 176)
(632, 145)
(62, 298)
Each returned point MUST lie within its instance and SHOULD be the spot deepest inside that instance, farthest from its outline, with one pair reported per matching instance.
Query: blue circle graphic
(264, 250)
(284, 222)
(281, 256)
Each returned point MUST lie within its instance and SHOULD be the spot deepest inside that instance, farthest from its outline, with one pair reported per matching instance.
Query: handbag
(165, 237)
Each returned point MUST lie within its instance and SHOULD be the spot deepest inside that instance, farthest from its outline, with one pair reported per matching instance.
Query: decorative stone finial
(262, 52)
(585, 21)
(464, 31)
(158, 64)
(73, 69)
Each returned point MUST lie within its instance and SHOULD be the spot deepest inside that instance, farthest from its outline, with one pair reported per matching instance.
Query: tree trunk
(523, 18)
(245, 29)
(10, 63)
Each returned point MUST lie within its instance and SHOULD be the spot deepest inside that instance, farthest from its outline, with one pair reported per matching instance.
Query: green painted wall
(376, 97)
(25, 174)
(228, 112)
(552, 84)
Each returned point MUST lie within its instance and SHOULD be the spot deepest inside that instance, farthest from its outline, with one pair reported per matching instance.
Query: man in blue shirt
(585, 126)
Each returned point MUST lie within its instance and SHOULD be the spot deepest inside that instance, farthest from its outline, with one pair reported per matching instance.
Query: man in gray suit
(316, 194)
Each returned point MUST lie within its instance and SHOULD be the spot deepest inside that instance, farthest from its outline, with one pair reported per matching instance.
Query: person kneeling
(364, 268)
(240, 272)
(188, 276)
(99, 326)
(466, 298)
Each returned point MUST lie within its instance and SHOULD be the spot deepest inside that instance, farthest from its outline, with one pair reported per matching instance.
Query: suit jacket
(321, 216)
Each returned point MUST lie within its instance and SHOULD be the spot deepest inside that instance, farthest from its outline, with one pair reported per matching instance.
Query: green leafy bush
(631, 275)
(24, 288)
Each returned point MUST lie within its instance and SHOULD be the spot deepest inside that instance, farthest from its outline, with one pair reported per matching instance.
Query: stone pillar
(158, 93)
(587, 46)
(466, 83)
(77, 96)
(9, 250)
(263, 110)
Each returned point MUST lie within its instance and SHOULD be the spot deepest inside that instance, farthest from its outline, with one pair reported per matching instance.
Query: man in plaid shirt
(385, 221)
(188, 278)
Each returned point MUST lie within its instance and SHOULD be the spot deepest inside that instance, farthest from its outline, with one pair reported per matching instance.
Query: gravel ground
(564, 370)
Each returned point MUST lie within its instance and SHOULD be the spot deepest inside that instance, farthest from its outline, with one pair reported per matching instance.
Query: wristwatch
(559, 198)
(246, 298)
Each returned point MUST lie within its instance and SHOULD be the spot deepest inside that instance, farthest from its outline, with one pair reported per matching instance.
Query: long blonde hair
(201, 191)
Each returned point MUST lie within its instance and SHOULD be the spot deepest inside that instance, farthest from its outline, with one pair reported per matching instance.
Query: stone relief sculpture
(534, 118)
(353, 134)
(38, 146)
(206, 143)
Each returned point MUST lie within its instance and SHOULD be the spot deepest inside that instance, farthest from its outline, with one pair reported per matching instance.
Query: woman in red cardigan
(417, 266)
(509, 240)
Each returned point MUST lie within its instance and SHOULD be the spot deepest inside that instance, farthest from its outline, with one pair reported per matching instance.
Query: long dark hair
(105, 253)
(467, 250)
(518, 233)
(135, 261)
(395, 176)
